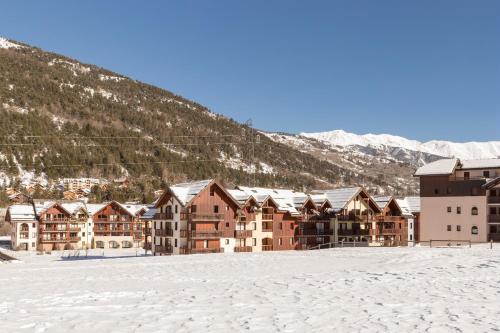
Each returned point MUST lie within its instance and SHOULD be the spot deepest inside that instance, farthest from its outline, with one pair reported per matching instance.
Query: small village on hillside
(459, 203)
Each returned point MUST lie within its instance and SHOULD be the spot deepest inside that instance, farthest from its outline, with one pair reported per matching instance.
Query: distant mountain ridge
(466, 150)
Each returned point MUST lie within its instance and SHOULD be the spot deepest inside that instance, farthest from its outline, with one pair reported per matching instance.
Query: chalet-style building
(411, 211)
(460, 200)
(117, 225)
(24, 224)
(391, 227)
(194, 218)
(355, 213)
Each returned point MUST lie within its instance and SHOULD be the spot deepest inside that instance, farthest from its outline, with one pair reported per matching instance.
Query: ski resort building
(460, 200)
(391, 228)
(411, 211)
(24, 225)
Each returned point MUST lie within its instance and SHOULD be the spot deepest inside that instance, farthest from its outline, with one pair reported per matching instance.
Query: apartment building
(459, 200)
(24, 224)
(354, 211)
(390, 227)
(194, 218)
(72, 184)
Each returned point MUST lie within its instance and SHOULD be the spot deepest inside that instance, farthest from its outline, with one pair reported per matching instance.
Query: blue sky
(427, 69)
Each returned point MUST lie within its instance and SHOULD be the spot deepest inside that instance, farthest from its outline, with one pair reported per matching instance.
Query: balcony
(183, 233)
(494, 200)
(206, 234)
(205, 250)
(56, 219)
(243, 234)
(354, 232)
(267, 217)
(355, 218)
(164, 232)
(267, 247)
(163, 249)
(493, 218)
(242, 249)
(164, 216)
(195, 217)
(389, 218)
(312, 219)
(376, 232)
(314, 232)
(147, 231)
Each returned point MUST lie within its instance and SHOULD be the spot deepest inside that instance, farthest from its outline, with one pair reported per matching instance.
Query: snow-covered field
(338, 290)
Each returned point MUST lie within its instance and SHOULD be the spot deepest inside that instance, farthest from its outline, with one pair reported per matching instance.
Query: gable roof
(480, 164)
(440, 167)
(339, 198)
(286, 200)
(492, 183)
(20, 213)
(384, 201)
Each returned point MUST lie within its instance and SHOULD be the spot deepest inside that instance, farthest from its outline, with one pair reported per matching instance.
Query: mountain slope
(63, 118)
(467, 150)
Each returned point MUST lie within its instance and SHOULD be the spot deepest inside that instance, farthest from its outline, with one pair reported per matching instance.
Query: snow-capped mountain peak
(466, 150)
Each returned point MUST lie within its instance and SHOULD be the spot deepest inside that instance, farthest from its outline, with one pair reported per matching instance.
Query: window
(466, 175)
(83, 234)
(212, 193)
(216, 209)
(280, 241)
(493, 210)
(227, 207)
(193, 208)
(411, 237)
(448, 190)
(449, 209)
(254, 225)
(176, 225)
(205, 244)
(459, 228)
(254, 241)
(227, 224)
(291, 226)
(436, 191)
(99, 244)
(176, 209)
(459, 210)
(474, 230)
(126, 244)
(474, 211)
(175, 242)
(411, 225)
(486, 174)
(33, 225)
(281, 226)
(493, 229)
(448, 227)
(291, 241)
(226, 241)
(33, 244)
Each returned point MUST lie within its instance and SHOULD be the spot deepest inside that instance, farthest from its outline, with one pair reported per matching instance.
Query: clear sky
(427, 69)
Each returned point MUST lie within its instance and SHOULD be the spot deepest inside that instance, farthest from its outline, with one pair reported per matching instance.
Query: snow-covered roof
(413, 203)
(150, 213)
(287, 200)
(92, 209)
(382, 201)
(480, 164)
(21, 213)
(340, 197)
(133, 209)
(239, 195)
(185, 192)
(73, 207)
(403, 204)
(440, 167)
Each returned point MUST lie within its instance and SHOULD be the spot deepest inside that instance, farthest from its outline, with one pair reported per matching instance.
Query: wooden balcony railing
(193, 217)
(493, 200)
(164, 232)
(163, 249)
(243, 234)
(389, 218)
(376, 232)
(205, 234)
(205, 250)
(242, 249)
(267, 217)
(356, 232)
(164, 216)
(267, 247)
(56, 219)
(314, 232)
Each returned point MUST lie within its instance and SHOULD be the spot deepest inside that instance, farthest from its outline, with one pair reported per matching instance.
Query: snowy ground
(342, 290)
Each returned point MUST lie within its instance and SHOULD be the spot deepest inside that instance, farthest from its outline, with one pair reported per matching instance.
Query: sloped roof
(150, 212)
(185, 192)
(382, 200)
(481, 164)
(132, 209)
(492, 183)
(403, 204)
(440, 167)
(287, 200)
(413, 204)
(73, 207)
(92, 209)
(21, 213)
(340, 197)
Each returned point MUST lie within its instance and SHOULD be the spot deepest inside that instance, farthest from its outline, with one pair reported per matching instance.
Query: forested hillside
(62, 118)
